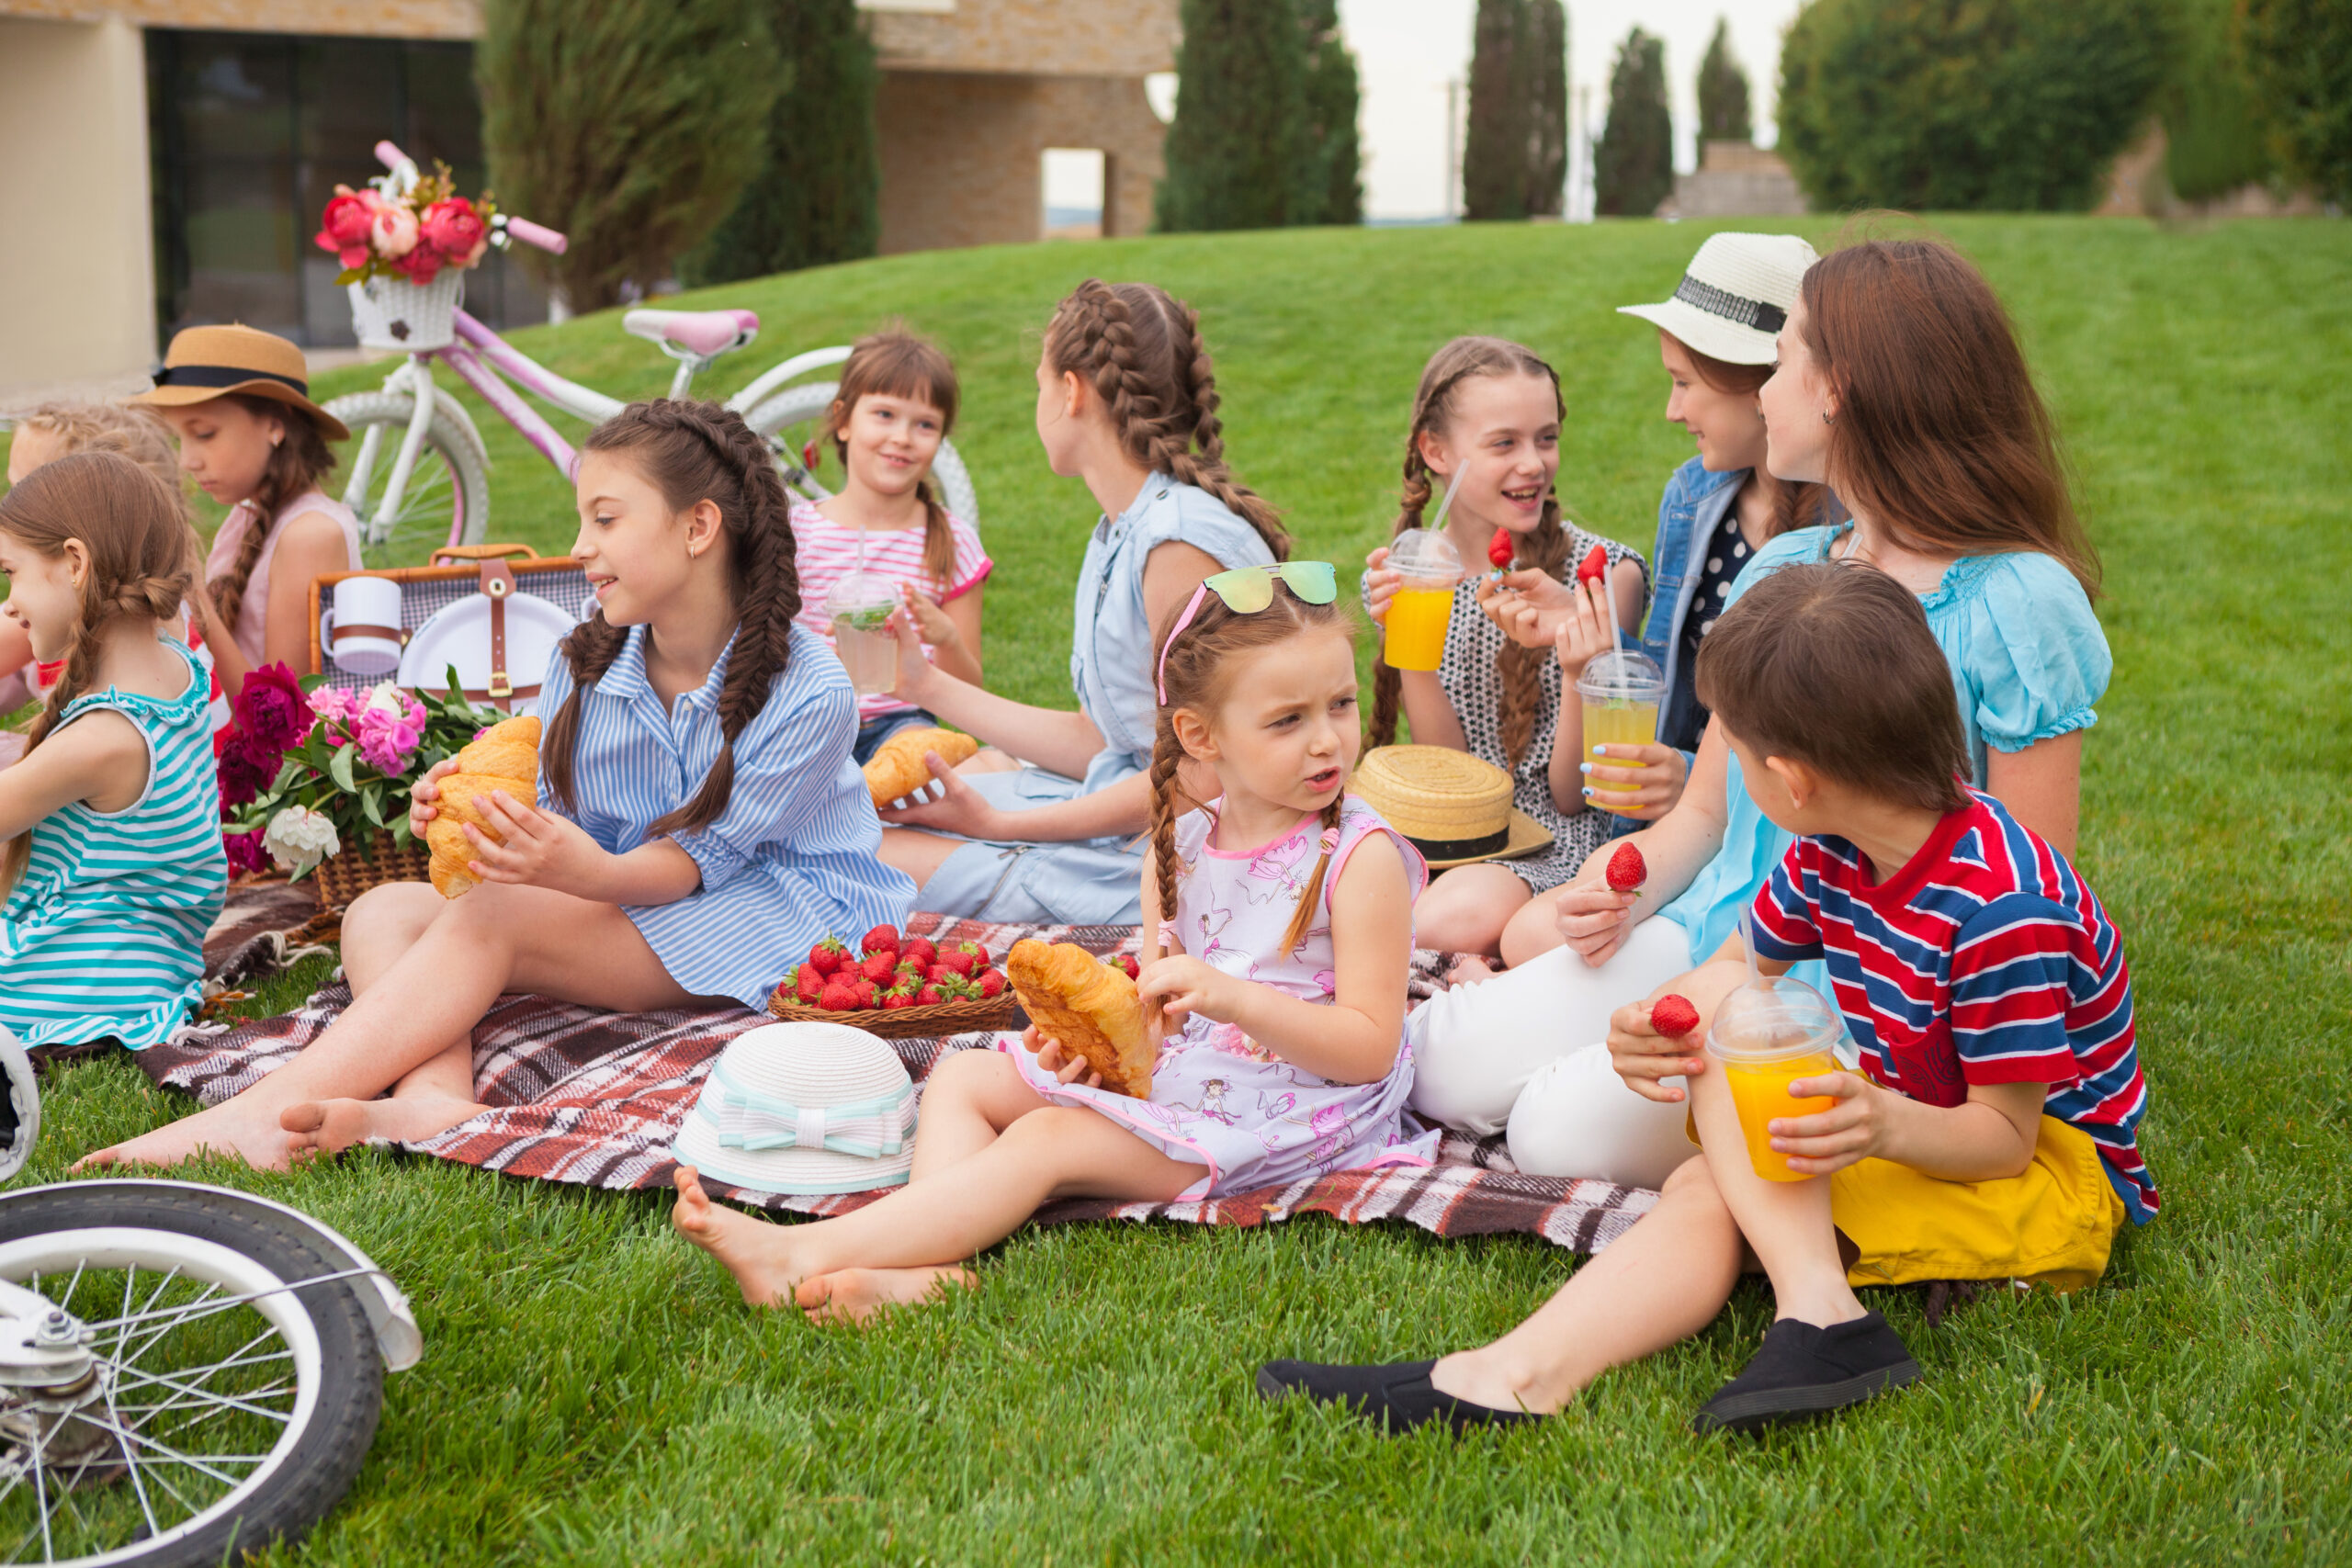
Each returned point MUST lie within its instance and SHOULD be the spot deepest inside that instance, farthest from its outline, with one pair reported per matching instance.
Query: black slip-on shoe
(1802, 1371)
(1398, 1395)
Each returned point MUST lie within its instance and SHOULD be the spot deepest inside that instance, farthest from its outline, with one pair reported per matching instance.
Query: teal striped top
(104, 934)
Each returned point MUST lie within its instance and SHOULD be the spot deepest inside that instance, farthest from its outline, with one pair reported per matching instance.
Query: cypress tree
(1723, 92)
(631, 125)
(1515, 159)
(1546, 75)
(2298, 56)
(1634, 163)
(1333, 185)
(817, 198)
(1239, 143)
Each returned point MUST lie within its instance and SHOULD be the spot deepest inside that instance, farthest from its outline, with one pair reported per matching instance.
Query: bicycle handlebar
(390, 156)
(522, 228)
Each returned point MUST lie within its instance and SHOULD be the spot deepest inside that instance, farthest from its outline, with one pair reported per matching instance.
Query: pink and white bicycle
(418, 474)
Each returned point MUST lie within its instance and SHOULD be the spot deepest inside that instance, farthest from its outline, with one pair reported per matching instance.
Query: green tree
(631, 125)
(1633, 165)
(1332, 183)
(1514, 160)
(1991, 105)
(2298, 56)
(1723, 92)
(2213, 135)
(1238, 144)
(817, 200)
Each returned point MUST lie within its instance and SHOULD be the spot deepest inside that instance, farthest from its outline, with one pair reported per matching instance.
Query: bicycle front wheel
(446, 498)
(221, 1411)
(795, 416)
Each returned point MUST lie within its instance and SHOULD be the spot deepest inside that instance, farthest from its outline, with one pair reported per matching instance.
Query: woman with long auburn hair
(1900, 385)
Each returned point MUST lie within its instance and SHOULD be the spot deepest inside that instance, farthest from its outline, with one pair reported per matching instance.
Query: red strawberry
(881, 939)
(1128, 962)
(829, 955)
(808, 984)
(868, 994)
(1500, 549)
(959, 963)
(906, 969)
(897, 1001)
(1673, 1016)
(938, 973)
(919, 949)
(991, 982)
(1594, 566)
(979, 954)
(1627, 870)
(811, 451)
(877, 965)
(840, 996)
(929, 997)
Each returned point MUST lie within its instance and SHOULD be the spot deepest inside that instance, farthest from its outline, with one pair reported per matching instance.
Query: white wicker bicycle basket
(392, 313)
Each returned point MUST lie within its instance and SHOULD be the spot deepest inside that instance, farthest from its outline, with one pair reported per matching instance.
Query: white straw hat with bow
(802, 1108)
(1735, 296)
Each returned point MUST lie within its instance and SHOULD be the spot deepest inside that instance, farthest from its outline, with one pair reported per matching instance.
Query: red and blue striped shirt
(1986, 959)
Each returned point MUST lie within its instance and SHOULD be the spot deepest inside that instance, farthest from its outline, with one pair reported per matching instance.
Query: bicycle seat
(706, 333)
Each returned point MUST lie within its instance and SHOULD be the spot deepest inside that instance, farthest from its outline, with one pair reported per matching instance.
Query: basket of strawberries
(898, 986)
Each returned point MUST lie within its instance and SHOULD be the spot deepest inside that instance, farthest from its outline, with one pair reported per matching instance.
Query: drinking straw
(1443, 506)
(1748, 940)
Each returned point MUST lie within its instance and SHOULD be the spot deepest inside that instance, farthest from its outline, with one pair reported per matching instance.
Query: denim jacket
(1688, 515)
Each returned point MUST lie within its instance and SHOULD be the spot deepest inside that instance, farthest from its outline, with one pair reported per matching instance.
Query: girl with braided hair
(1126, 401)
(113, 869)
(698, 816)
(1281, 968)
(1488, 411)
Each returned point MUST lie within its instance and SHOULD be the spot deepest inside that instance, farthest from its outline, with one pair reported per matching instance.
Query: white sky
(1408, 49)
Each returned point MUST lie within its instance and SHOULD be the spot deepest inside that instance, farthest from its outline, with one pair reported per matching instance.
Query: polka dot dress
(1726, 553)
(1475, 689)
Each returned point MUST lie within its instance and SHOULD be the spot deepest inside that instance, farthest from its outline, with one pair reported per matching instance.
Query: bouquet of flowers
(312, 769)
(379, 231)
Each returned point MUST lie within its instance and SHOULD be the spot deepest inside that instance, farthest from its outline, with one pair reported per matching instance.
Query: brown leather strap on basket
(450, 555)
(498, 586)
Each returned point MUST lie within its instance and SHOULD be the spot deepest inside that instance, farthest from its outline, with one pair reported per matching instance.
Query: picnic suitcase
(497, 573)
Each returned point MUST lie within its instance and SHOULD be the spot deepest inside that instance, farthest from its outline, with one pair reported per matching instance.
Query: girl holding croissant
(1280, 978)
(698, 811)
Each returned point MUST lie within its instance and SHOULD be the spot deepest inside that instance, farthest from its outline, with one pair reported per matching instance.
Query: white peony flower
(299, 838)
(386, 698)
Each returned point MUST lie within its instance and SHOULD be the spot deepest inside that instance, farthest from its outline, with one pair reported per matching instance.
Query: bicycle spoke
(228, 1400)
(131, 1467)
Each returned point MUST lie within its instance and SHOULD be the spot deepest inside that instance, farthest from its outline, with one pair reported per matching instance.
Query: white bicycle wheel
(795, 416)
(221, 1410)
(446, 500)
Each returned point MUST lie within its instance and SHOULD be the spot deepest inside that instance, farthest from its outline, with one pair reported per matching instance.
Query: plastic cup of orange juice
(1423, 608)
(1767, 1034)
(1621, 690)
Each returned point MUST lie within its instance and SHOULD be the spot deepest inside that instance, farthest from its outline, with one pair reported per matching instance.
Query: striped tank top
(104, 934)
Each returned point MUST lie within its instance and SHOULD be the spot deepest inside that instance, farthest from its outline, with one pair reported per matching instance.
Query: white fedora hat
(1736, 298)
(803, 1108)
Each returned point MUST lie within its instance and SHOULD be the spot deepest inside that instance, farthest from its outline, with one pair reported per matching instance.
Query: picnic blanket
(596, 1099)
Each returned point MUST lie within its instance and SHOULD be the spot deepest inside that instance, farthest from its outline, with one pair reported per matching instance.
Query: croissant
(505, 755)
(897, 770)
(1089, 1007)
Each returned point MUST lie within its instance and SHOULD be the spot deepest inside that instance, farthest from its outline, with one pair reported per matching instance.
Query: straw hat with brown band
(1453, 807)
(204, 363)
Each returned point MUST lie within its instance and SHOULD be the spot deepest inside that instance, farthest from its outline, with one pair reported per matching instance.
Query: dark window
(251, 132)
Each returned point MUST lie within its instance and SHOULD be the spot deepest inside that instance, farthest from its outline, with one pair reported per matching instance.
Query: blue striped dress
(795, 857)
(103, 935)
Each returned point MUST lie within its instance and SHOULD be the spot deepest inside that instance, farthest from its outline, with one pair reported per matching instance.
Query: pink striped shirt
(827, 552)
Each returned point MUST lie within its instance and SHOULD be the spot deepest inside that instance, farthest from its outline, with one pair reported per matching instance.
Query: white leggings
(1516, 1052)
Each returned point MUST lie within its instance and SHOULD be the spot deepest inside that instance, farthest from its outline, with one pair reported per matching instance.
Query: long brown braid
(894, 363)
(692, 452)
(295, 465)
(1140, 349)
(1518, 670)
(141, 569)
(1198, 666)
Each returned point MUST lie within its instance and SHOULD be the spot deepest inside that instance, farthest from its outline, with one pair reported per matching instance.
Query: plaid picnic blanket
(596, 1099)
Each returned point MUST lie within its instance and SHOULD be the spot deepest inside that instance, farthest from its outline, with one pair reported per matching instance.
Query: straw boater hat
(1736, 298)
(1453, 807)
(803, 1108)
(204, 363)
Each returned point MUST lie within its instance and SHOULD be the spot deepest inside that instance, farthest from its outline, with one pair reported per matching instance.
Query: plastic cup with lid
(1621, 690)
(858, 607)
(1767, 1034)
(1429, 567)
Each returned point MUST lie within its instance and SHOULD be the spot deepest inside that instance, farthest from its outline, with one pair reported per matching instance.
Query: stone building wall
(1026, 37)
(350, 18)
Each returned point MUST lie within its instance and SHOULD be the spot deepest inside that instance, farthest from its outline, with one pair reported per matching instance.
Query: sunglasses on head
(1247, 590)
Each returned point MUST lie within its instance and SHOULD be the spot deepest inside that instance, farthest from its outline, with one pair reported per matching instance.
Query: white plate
(459, 634)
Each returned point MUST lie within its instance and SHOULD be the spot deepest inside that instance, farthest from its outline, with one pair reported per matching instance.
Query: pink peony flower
(272, 709)
(245, 853)
(393, 233)
(344, 229)
(389, 728)
(332, 704)
(421, 265)
(455, 230)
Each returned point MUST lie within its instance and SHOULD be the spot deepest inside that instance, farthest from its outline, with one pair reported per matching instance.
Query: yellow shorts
(2053, 1226)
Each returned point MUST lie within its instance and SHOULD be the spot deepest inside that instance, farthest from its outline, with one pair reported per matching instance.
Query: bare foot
(755, 1251)
(233, 1128)
(1469, 969)
(331, 1127)
(855, 1295)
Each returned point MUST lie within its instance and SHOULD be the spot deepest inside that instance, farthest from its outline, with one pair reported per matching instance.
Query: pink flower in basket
(452, 228)
(389, 728)
(344, 229)
(421, 265)
(332, 706)
(391, 233)
(272, 709)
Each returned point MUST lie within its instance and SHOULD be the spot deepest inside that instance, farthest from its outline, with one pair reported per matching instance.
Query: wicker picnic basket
(906, 1023)
(341, 878)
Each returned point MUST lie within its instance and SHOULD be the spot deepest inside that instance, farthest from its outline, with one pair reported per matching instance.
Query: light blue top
(104, 934)
(2028, 660)
(1111, 654)
(796, 856)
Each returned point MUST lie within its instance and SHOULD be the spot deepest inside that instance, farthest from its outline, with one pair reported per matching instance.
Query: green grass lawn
(592, 1390)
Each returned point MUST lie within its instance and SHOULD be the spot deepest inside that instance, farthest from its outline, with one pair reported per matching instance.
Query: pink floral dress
(1218, 1098)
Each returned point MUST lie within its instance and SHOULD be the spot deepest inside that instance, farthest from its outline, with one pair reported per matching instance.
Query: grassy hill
(593, 1391)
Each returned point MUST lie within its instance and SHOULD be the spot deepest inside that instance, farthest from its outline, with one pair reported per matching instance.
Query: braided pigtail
(1310, 897)
(297, 463)
(1166, 761)
(1519, 670)
(133, 531)
(589, 649)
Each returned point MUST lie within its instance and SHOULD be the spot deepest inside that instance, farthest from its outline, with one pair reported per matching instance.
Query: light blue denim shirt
(2028, 660)
(1111, 654)
(1688, 515)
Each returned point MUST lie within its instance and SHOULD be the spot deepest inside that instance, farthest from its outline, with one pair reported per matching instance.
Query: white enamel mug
(368, 625)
